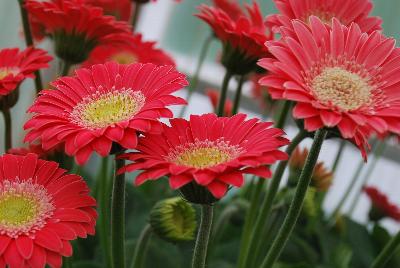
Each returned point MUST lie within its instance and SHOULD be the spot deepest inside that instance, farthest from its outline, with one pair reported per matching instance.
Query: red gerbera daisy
(121, 9)
(339, 78)
(346, 11)
(213, 95)
(243, 38)
(17, 65)
(105, 104)
(137, 51)
(211, 151)
(77, 28)
(381, 206)
(41, 210)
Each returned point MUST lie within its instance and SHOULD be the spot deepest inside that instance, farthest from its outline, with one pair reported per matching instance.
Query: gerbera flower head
(381, 206)
(120, 9)
(321, 179)
(77, 28)
(104, 104)
(326, 10)
(338, 77)
(41, 209)
(16, 65)
(207, 152)
(137, 51)
(242, 38)
(213, 95)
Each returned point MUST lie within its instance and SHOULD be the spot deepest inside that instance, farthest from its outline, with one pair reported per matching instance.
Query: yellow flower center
(124, 58)
(17, 210)
(6, 71)
(24, 207)
(101, 110)
(341, 88)
(203, 154)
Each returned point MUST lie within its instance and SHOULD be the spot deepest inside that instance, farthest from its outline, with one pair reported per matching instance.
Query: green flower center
(24, 207)
(102, 110)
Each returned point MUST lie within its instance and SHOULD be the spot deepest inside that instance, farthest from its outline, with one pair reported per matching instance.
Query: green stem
(238, 94)
(280, 122)
(251, 216)
(338, 155)
(136, 15)
(297, 202)
(7, 129)
(65, 70)
(265, 210)
(387, 252)
(118, 217)
(103, 197)
(203, 235)
(195, 79)
(141, 247)
(29, 42)
(224, 90)
(378, 153)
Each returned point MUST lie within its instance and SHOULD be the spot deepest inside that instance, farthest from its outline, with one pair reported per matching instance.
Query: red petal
(38, 258)
(203, 177)
(48, 239)
(218, 189)
(330, 119)
(24, 246)
(177, 181)
(233, 178)
(262, 171)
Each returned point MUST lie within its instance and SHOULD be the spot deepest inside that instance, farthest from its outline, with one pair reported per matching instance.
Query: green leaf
(342, 256)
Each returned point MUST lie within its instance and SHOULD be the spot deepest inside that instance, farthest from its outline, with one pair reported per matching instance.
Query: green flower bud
(174, 220)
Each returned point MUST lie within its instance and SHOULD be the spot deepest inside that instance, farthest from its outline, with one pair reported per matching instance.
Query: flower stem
(203, 235)
(338, 155)
(118, 217)
(283, 113)
(136, 15)
(251, 216)
(103, 196)
(29, 42)
(387, 252)
(238, 94)
(141, 247)
(378, 153)
(7, 129)
(224, 91)
(195, 79)
(265, 210)
(297, 202)
(65, 70)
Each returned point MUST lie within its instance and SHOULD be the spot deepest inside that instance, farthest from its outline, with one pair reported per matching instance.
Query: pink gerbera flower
(339, 78)
(346, 11)
(105, 104)
(381, 206)
(16, 65)
(243, 38)
(76, 28)
(41, 210)
(214, 152)
(137, 51)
